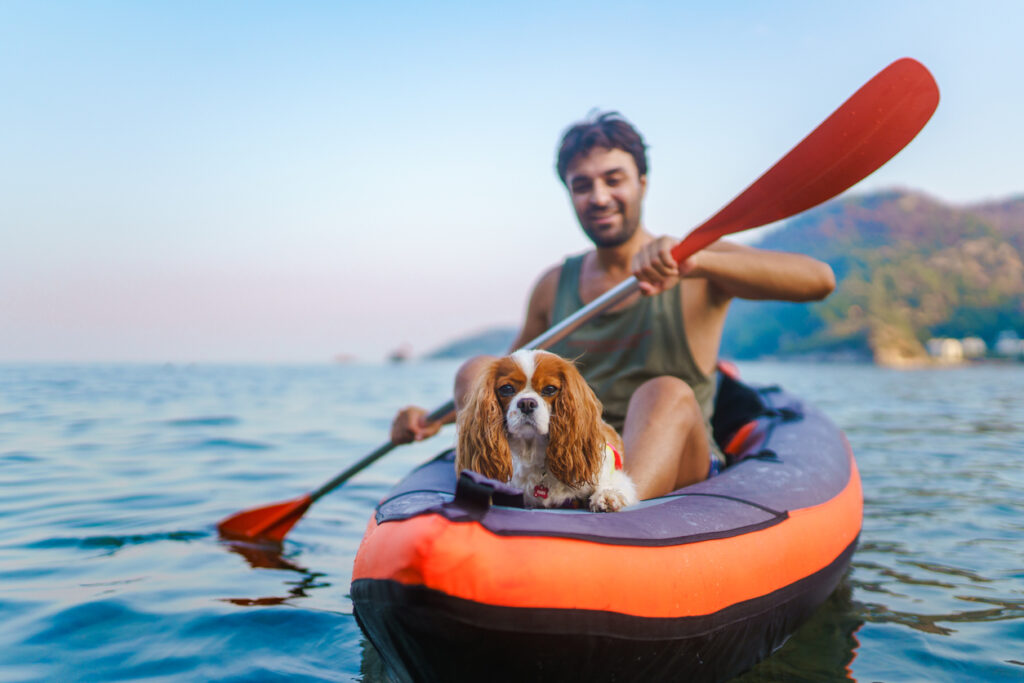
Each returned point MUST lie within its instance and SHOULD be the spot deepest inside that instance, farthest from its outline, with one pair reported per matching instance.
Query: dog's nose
(527, 405)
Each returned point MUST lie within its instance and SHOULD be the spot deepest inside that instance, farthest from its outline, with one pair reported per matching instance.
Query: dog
(532, 421)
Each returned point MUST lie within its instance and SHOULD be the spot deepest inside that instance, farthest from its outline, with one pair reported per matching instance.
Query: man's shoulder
(549, 277)
(546, 286)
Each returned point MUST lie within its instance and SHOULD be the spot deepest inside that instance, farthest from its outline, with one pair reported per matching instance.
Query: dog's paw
(609, 500)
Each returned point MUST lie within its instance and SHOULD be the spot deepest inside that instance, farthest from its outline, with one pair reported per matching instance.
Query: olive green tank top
(618, 351)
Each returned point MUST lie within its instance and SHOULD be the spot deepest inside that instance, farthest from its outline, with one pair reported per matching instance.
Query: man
(651, 359)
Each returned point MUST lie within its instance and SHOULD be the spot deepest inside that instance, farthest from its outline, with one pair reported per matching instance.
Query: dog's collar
(612, 460)
(609, 451)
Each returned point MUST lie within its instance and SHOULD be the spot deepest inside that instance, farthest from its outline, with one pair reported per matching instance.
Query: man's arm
(733, 270)
(738, 271)
(721, 272)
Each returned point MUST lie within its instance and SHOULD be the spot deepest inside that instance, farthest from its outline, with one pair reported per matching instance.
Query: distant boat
(401, 354)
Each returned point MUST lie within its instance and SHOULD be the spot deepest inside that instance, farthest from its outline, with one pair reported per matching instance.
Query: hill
(493, 342)
(908, 267)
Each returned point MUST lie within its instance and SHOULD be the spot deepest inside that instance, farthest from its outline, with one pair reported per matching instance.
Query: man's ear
(643, 186)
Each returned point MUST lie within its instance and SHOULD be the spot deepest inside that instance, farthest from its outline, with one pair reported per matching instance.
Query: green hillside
(494, 342)
(908, 268)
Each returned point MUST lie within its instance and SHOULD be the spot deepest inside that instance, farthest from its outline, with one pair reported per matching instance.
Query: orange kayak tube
(453, 581)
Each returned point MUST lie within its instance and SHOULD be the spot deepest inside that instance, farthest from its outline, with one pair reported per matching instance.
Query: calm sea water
(112, 478)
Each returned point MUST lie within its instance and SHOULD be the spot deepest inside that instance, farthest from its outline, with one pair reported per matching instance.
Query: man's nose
(527, 405)
(599, 195)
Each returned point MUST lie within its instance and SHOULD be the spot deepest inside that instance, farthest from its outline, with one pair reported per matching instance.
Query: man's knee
(666, 391)
(666, 446)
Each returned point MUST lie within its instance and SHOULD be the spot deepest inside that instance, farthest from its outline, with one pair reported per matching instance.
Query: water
(112, 479)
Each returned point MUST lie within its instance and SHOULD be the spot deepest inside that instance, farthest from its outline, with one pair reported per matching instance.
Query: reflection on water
(112, 479)
(271, 555)
(263, 554)
(822, 650)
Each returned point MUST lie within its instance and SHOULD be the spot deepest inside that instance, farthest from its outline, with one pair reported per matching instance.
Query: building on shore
(1009, 345)
(974, 347)
(948, 350)
(945, 349)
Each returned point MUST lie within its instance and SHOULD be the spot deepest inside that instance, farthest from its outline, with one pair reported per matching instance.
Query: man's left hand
(655, 268)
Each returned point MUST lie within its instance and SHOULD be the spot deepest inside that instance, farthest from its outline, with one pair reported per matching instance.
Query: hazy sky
(208, 181)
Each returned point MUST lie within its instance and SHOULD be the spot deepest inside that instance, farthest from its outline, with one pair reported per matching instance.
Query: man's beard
(601, 241)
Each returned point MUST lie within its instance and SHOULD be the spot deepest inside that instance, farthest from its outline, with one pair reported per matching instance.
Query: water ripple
(208, 421)
(225, 443)
(89, 542)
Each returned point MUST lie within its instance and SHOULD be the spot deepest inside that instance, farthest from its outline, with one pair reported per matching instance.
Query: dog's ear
(575, 442)
(482, 445)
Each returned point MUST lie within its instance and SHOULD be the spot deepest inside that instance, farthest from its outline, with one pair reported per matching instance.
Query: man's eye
(506, 390)
(549, 390)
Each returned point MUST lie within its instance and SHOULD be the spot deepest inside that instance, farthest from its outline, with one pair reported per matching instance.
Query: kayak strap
(745, 417)
(476, 493)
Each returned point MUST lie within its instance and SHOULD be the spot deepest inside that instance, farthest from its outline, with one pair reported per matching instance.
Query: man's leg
(665, 442)
(466, 378)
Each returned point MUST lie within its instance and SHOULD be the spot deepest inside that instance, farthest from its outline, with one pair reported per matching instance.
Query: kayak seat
(744, 416)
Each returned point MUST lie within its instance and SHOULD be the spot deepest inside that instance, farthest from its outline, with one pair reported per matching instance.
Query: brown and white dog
(531, 420)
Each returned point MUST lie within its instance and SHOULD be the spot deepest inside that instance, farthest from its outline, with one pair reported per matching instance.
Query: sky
(290, 182)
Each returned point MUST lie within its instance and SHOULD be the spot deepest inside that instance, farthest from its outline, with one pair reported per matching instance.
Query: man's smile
(603, 217)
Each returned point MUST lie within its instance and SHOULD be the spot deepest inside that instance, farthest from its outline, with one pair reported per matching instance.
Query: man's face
(607, 192)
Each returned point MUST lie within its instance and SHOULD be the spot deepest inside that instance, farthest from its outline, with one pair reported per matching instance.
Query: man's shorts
(716, 466)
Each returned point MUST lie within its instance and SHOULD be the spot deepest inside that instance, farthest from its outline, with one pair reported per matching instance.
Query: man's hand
(411, 425)
(655, 268)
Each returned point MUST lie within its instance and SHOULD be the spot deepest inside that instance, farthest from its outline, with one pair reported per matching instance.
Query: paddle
(866, 131)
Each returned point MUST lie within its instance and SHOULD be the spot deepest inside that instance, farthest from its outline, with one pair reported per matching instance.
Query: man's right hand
(654, 267)
(410, 424)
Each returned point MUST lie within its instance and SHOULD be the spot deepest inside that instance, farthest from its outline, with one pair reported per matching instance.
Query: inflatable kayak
(455, 580)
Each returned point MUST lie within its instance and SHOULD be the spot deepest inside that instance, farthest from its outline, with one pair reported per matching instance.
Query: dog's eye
(549, 390)
(506, 390)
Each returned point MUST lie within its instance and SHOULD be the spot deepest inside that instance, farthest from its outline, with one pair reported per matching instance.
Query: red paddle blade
(271, 522)
(873, 125)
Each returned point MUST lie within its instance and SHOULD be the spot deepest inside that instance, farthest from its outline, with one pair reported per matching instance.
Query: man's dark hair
(609, 130)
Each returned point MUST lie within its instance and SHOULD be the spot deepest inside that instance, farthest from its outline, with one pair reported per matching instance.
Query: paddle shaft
(373, 457)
